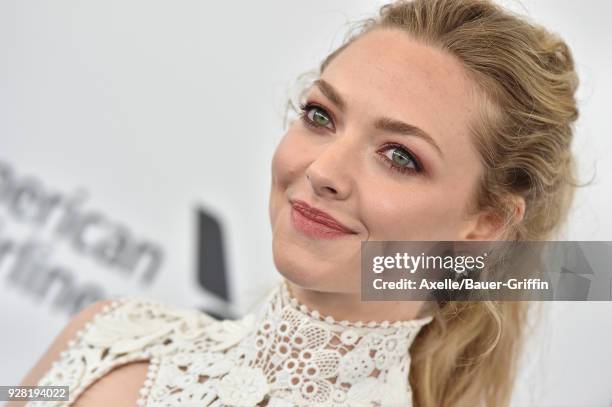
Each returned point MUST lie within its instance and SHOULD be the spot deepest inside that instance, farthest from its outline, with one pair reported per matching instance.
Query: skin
(339, 168)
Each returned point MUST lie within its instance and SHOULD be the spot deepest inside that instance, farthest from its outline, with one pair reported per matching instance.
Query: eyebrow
(383, 123)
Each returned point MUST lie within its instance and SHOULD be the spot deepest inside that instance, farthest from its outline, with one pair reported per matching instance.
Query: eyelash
(305, 107)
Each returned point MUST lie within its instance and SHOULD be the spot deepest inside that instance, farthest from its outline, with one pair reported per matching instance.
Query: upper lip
(319, 216)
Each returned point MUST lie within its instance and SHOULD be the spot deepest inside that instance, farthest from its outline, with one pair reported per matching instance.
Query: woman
(437, 120)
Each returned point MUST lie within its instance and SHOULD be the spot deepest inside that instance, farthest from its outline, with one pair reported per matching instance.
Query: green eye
(315, 116)
(400, 157)
(320, 118)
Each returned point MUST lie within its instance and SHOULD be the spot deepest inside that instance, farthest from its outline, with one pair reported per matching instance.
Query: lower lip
(314, 229)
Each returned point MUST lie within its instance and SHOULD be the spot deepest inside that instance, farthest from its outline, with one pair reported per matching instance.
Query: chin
(298, 265)
(320, 265)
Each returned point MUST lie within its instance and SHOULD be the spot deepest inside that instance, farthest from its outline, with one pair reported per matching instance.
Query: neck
(350, 307)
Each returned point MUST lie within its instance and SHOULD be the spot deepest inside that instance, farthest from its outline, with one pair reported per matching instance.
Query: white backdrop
(133, 114)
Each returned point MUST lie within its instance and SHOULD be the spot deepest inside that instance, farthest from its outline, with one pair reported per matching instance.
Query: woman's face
(384, 148)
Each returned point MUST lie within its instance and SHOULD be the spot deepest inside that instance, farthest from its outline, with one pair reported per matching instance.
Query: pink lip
(316, 223)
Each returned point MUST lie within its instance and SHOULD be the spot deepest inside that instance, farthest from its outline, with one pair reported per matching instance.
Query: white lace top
(281, 355)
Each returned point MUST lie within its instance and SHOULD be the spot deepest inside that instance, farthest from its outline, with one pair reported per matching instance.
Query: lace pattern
(282, 355)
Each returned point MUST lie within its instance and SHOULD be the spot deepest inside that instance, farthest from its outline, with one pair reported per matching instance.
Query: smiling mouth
(316, 223)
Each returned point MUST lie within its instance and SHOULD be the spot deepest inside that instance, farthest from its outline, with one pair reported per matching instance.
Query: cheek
(420, 212)
(288, 161)
(288, 165)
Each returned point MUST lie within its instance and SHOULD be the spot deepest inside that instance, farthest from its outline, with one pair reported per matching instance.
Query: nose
(331, 172)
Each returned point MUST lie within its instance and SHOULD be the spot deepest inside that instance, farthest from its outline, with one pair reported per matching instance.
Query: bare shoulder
(119, 387)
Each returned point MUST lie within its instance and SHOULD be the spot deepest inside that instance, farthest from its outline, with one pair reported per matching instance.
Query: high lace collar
(296, 356)
(288, 299)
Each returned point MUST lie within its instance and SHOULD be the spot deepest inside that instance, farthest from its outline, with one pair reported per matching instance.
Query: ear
(489, 225)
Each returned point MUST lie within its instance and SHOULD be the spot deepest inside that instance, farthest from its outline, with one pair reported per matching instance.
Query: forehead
(390, 74)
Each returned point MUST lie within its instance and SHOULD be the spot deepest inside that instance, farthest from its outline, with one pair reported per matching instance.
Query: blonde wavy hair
(467, 356)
